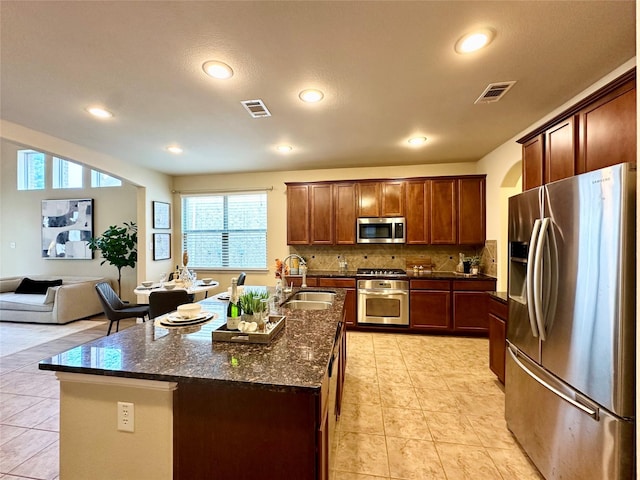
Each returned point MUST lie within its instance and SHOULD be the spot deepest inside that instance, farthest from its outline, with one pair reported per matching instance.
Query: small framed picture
(161, 215)
(161, 246)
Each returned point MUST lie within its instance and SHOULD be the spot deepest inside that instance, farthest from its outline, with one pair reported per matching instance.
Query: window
(31, 170)
(99, 179)
(66, 174)
(225, 231)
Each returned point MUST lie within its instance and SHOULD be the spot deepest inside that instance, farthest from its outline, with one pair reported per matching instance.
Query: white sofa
(76, 298)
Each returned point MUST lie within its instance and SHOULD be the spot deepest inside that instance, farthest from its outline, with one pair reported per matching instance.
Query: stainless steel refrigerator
(570, 372)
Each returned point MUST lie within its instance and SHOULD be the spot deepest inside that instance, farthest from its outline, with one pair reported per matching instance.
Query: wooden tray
(221, 334)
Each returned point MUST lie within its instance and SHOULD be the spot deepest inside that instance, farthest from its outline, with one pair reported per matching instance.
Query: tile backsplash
(443, 258)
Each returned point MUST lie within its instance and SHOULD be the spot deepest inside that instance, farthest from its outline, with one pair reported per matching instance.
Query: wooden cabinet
(532, 162)
(345, 213)
(296, 281)
(350, 303)
(297, 214)
(608, 130)
(381, 199)
(497, 336)
(430, 304)
(470, 305)
(471, 216)
(560, 151)
(321, 219)
(417, 212)
(597, 132)
(443, 211)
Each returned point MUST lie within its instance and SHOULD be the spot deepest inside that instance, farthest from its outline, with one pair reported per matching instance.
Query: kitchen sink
(307, 305)
(316, 296)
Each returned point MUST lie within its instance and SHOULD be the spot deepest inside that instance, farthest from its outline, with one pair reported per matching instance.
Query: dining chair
(241, 278)
(165, 302)
(115, 309)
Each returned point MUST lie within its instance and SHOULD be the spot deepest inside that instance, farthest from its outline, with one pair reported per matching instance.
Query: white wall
(146, 184)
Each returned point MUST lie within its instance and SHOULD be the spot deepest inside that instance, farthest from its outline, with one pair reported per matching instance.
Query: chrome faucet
(303, 267)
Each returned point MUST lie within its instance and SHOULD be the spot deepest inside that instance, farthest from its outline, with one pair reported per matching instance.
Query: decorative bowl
(147, 283)
(169, 285)
(207, 281)
(189, 310)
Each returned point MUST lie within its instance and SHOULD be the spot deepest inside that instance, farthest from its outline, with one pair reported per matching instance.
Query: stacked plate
(175, 320)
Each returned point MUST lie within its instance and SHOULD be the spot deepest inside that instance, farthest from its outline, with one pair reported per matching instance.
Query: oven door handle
(386, 293)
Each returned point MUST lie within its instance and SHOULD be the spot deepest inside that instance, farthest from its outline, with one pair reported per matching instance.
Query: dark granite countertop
(410, 274)
(297, 358)
(501, 296)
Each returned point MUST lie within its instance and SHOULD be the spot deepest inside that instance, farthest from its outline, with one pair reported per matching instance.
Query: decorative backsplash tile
(443, 258)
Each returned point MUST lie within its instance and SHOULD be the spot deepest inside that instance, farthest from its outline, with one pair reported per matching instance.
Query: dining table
(197, 287)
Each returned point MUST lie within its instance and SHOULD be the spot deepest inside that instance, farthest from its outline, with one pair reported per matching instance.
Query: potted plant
(118, 246)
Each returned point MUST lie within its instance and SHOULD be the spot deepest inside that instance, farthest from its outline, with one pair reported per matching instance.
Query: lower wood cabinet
(470, 305)
(498, 314)
(430, 304)
(350, 301)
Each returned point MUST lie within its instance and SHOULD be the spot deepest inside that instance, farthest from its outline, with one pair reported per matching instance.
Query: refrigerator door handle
(537, 277)
(529, 278)
(589, 411)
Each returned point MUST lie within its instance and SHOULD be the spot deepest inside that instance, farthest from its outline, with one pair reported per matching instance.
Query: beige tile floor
(415, 407)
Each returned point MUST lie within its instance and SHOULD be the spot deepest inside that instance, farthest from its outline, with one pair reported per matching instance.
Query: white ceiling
(388, 70)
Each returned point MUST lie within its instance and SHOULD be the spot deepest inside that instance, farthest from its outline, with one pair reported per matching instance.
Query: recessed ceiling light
(217, 69)
(416, 141)
(474, 41)
(284, 148)
(174, 149)
(99, 112)
(311, 95)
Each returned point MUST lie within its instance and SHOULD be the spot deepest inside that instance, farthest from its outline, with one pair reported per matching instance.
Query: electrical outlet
(125, 417)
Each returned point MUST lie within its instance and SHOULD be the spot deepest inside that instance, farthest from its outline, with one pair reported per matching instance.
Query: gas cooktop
(380, 272)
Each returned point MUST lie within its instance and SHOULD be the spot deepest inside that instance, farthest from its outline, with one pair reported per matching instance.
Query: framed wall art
(161, 215)
(161, 246)
(67, 227)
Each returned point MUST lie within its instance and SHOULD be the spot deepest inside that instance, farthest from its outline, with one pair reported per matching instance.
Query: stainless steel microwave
(380, 230)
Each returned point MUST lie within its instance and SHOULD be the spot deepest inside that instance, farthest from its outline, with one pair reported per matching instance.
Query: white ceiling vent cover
(256, 108)
(494, 92)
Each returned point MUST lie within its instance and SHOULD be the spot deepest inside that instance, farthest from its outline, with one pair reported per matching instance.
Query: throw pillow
(36, 287)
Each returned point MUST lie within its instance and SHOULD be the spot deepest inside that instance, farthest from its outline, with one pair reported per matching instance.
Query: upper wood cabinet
(439, 210)
(345, 213)
(321, 220)
(560, 151)
(471, 210)
(443, 208)
(381, 199)
(533, 162)
(597, 132)
(298, 214)
(417, 212)
(608, 130)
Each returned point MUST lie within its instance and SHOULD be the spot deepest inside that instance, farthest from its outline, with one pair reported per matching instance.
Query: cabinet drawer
(475, 285)
(430, 284)
(337, 282)
(499, 309)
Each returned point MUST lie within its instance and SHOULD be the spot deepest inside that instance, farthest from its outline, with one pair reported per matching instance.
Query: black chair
(165, 302)
(241, 278)
(115, 309)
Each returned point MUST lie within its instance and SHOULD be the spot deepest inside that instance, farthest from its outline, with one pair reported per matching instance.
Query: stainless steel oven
(383, 301)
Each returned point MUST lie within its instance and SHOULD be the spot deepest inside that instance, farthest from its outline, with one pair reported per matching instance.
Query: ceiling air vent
(494, 92)
(256, 108)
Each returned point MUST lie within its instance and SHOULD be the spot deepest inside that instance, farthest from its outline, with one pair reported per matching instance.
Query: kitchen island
(204, 409)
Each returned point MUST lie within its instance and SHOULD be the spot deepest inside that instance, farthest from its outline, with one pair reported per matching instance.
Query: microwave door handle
(537, 277)
(529, 278)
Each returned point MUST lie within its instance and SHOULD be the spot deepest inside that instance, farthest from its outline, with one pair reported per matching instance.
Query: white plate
(175, 318)
(223, 296)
